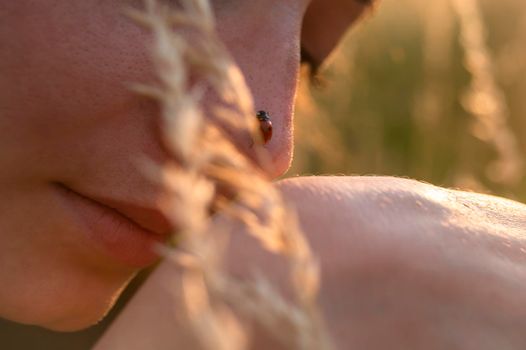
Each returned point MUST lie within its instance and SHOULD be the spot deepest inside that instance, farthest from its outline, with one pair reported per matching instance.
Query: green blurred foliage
(391, 98)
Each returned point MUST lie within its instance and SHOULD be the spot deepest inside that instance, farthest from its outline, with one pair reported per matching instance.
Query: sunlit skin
(405, 265)
(68, 118)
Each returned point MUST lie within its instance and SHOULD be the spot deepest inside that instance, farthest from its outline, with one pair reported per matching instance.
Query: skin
(405, 265)
(67, 117)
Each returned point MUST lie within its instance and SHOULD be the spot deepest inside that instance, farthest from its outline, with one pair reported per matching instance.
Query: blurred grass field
(398, 99)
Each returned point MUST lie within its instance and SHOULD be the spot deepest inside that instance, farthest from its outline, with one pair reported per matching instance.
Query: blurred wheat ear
(485, 99)
(205, 160)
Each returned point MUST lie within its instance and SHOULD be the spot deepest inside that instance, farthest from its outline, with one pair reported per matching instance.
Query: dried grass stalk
(207, 161)
(485, 100)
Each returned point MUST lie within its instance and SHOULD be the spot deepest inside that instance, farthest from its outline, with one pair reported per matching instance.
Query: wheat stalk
(485, 100)
(206, 160)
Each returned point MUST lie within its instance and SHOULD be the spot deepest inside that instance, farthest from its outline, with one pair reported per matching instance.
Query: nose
(264, 42)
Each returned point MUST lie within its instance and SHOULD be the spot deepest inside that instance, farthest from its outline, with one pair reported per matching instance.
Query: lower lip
(112, 234)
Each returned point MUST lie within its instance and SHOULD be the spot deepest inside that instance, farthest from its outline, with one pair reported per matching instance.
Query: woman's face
(71, 135)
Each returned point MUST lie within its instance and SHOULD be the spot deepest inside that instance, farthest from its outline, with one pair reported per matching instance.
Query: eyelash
(306, 59)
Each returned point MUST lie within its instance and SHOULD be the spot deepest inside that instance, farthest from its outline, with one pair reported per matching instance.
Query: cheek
(66, 69)
(63, 64)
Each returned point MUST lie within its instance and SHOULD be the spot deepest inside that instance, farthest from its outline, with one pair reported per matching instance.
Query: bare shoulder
(383, 195)
(386, 186)
(401, 254)
(365, 192)
(405, 265)
(403, 217)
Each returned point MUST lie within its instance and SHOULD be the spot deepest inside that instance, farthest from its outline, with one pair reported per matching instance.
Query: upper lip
(146, 217)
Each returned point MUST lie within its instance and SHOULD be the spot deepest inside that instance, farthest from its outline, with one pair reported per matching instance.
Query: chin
(67, 310)
(74, 324)
(76, 319)
(69, 319)
(93, 307)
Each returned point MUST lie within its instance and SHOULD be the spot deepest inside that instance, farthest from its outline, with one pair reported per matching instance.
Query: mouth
(149, 219)
(123, 232)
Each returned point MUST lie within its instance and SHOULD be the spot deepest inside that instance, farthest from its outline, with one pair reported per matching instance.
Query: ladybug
(265, 125)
